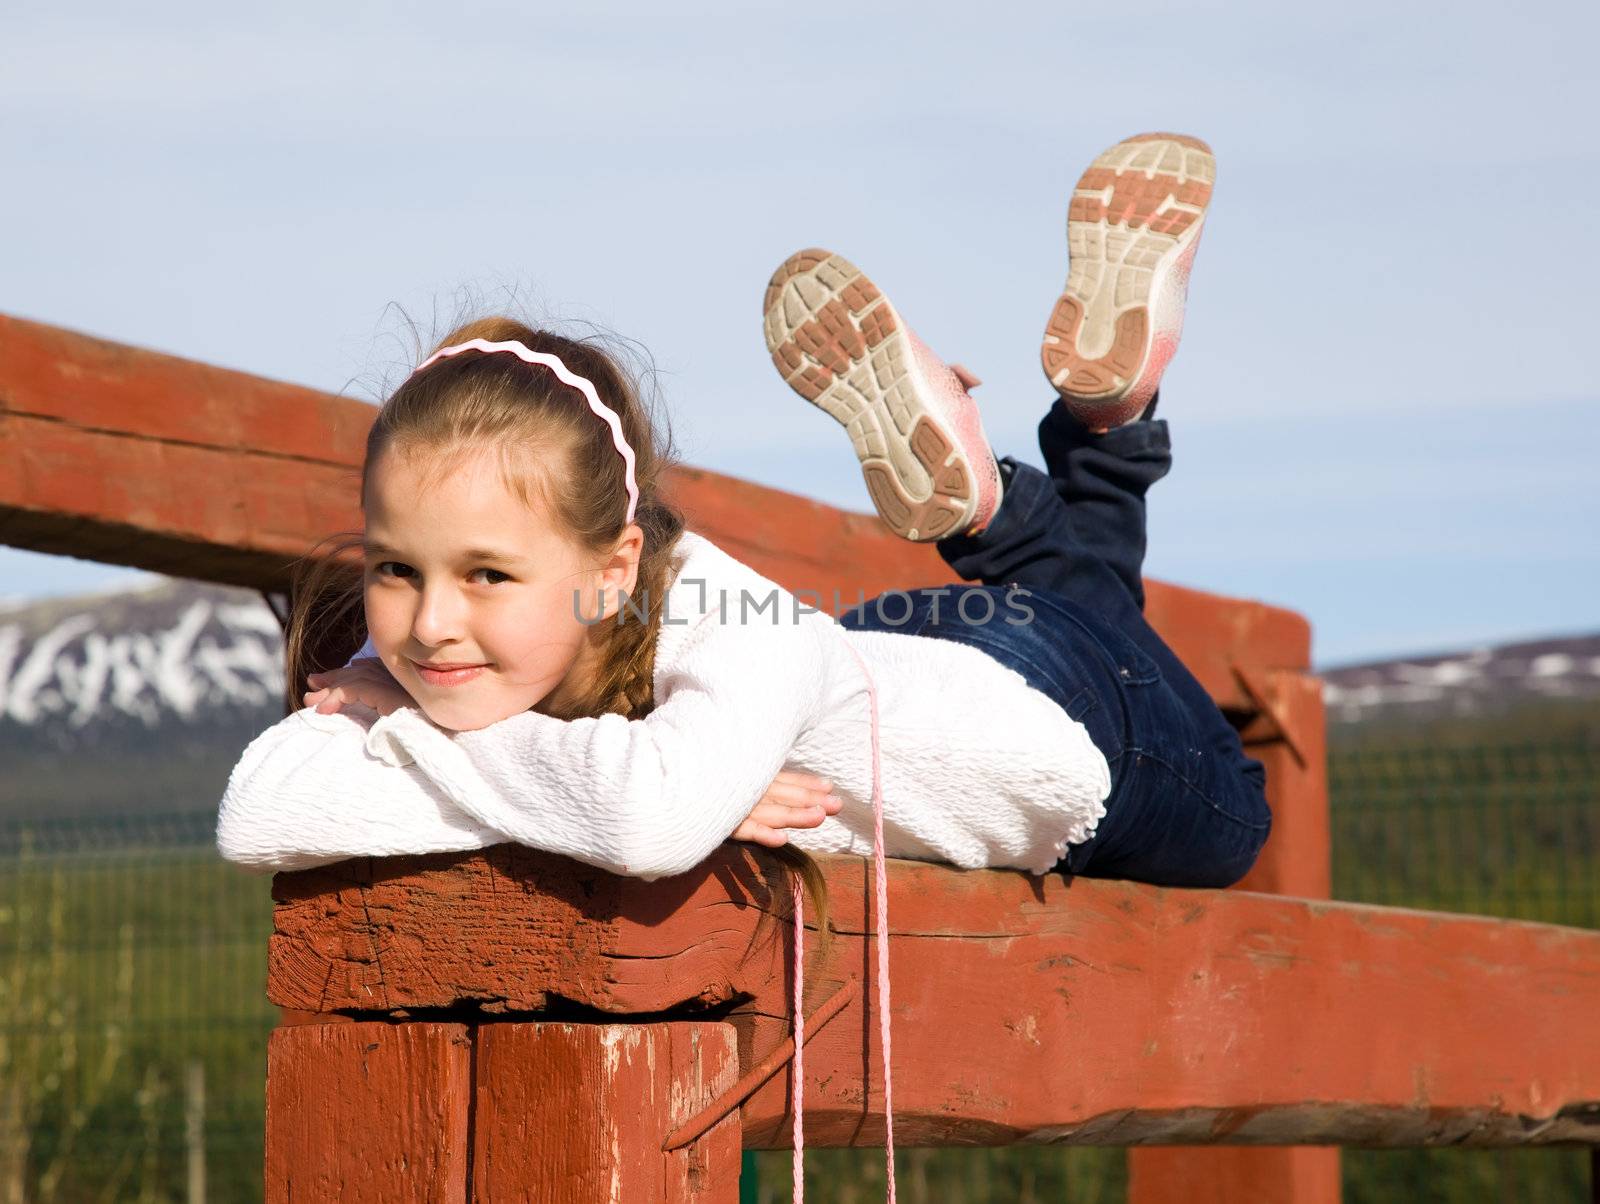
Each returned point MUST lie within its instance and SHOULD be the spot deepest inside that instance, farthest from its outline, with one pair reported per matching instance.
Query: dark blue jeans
(1187, 806)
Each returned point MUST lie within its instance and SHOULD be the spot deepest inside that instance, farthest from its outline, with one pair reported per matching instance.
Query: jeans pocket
(1062, 664)
(1215, 777)
(1134, 666)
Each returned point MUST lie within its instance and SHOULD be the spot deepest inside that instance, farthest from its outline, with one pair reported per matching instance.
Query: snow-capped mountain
(1474, 682)
(139, 698)
(168, 652)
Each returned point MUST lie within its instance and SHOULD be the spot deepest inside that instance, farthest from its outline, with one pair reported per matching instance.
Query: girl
(1035, 720)
(552, 659)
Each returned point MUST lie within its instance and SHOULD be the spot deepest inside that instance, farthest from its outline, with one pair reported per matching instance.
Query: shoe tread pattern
(1138, 205)
(837, 341)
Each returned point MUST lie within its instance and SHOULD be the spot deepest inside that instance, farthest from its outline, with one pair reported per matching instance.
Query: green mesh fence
(133, 1021)
(1504, 831)
(1507, 829)
(133, 1018)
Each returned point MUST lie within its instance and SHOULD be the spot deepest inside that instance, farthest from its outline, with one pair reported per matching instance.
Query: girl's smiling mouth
(448, 674)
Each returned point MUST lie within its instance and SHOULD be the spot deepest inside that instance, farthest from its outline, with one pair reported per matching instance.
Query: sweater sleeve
(306, 792)
(647, 797)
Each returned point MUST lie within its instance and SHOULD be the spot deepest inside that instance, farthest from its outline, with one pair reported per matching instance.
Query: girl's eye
(393, 568)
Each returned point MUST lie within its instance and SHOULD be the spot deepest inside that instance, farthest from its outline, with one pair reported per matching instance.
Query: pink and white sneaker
(839, 343)
(1132, 229)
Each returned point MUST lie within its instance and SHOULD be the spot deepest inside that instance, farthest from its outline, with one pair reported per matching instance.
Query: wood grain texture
(510, 930)
(569, 1112)
(1026, 1009)
(368, 1113)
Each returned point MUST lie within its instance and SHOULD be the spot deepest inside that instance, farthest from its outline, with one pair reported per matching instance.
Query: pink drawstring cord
(880, 875)
(797, 1069)
(881, 924)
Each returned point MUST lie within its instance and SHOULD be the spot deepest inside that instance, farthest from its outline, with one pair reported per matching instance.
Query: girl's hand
(794, 800)
(365, 681)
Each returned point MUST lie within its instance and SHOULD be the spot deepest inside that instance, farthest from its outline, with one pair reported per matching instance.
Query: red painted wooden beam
(117, 454)
(1025, 1009)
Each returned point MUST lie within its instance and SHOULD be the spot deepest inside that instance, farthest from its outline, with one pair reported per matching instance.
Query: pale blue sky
(1383, 409)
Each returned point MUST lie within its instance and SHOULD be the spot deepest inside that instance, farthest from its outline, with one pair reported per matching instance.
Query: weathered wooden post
(481, 1100)
(539, 1111)
(373, 1111)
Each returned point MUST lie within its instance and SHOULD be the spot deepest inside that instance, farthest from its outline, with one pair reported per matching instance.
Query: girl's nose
(438, 619)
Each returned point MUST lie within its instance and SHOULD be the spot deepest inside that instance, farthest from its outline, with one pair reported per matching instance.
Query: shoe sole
(1134, 219)
(838, 342)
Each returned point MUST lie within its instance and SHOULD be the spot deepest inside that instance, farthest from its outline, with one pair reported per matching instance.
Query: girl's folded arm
(306, 792)
(647, 797)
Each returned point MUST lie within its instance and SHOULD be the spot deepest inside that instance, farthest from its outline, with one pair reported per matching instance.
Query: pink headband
(582, 384)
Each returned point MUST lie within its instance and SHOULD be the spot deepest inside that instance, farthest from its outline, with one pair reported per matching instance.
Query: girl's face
(473, 598)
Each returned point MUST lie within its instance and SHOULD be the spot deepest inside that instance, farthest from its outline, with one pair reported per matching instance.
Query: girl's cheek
(385, 625)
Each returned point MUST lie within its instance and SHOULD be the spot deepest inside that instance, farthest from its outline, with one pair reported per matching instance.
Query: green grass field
(127, 961)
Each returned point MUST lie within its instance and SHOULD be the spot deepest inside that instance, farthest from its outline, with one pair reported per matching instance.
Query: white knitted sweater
(978, 768)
